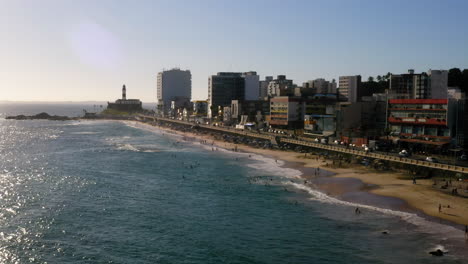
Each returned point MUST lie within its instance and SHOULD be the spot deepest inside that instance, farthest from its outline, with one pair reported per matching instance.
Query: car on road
(404, 153)
(431, 159)
(463, 157)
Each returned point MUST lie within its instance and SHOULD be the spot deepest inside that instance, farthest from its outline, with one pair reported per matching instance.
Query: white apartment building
(173, 85)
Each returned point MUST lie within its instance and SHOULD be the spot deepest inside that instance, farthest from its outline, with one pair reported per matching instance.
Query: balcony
(418, 109)
(417, 121)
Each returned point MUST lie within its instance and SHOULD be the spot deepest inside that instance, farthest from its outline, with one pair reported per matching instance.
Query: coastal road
(283, 139)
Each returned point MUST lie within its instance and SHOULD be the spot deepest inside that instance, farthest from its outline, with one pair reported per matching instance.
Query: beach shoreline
(370, 187)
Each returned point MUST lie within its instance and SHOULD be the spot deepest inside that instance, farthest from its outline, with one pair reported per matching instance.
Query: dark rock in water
(40, 116)
(385, 232)
(437, 252)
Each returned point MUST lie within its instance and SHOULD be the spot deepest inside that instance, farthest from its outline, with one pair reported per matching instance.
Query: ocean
(114, 192)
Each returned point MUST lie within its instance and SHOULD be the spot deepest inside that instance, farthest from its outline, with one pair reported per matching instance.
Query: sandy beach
(420, 196)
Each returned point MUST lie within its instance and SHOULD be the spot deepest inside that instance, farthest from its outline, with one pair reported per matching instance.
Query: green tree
(214, 110)
(455, 78)
(379, 78)
(370, 79)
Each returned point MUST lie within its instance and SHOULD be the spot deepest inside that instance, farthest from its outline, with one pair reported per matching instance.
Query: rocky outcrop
(43, 116)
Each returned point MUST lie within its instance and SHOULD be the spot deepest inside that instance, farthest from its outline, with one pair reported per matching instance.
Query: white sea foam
(128, 147)
(269, 165)
(85, 133)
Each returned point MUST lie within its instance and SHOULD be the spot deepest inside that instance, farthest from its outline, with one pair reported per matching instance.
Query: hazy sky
(85, 50)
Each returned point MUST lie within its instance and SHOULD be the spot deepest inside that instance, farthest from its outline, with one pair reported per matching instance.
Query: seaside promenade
(304, 143)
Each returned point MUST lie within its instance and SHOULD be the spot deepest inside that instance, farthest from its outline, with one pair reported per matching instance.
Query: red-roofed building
(420, 121)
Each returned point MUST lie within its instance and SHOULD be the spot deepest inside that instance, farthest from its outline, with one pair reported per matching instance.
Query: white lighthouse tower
(124, 93)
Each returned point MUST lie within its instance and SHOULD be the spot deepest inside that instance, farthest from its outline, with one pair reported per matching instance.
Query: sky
(80, 50)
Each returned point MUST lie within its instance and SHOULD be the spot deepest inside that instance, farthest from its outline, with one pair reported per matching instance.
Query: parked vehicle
(463, 157)
(431, 159)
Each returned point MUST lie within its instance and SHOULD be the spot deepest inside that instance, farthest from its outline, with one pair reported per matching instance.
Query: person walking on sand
(466, 232)
(440, 208)
(414, 180)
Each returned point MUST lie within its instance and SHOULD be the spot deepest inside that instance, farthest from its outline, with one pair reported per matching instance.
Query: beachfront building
(319, 115)
(200, 107)
(350, 89)
(173, 85)
(222, 89)
(359, 122)
(124, 104)
(419, 124)
(286, 112)
(250, 110)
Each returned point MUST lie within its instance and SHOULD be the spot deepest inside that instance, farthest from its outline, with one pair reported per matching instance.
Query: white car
(431, 159)
(403, 153)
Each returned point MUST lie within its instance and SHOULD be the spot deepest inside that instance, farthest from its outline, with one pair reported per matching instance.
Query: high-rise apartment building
(438, 84)
(223, 88)
(264, 86)
(350, 88)
(251, 80)
(173, 85)
(281, 87)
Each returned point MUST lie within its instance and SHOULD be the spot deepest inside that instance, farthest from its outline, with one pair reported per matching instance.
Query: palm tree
(387, 76)
(379, 78)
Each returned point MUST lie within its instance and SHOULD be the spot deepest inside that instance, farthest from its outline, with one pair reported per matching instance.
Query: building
(320, 86)
(124, 104)
(454, 93)
(319, 115)
(401, 86)
(263, 86)
(222, 89)
(200, 108)
(173, 85)
(251, 109)
(280, 87)
(358, 122)
(430, 85)
(458, 121)
(286, 112)
(252, 84)
(350, 88)
(438, 84)
(419, 124)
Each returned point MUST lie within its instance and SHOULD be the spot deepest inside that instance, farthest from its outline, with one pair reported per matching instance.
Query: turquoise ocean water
(111, 192)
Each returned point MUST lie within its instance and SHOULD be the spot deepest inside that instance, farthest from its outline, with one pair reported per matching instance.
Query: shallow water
(108, 192)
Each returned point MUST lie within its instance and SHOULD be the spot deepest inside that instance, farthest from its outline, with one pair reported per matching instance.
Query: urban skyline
(93, 51)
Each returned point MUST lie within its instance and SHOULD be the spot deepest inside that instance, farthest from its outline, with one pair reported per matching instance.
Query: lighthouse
(124, 104)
